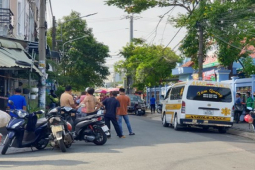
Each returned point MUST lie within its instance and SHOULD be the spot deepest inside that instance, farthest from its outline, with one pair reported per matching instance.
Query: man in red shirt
(122, 111)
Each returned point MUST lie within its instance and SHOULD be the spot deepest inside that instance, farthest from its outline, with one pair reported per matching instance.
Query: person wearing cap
(103, 96)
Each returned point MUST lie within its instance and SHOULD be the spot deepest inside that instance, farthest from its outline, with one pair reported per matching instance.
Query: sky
(111, 27)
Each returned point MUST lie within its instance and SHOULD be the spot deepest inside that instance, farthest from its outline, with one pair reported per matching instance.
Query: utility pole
(200, 52)
(131, 28)
(53, 34)
(42, 54)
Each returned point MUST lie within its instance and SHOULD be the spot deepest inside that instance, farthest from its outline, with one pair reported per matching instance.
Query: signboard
(211, 61)
(209, 75)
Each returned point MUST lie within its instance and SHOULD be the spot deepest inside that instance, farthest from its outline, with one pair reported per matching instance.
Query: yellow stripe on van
(170, 113)
(173, 106)
(202, 117)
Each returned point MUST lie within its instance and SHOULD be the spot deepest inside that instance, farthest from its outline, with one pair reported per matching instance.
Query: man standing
(18, 100)
(67, 100)
(152, 103)
(111, 104)
(122, 111)
(91, 102)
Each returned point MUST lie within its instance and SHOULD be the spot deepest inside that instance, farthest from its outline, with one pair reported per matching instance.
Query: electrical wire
(161, 18)
(51, 8)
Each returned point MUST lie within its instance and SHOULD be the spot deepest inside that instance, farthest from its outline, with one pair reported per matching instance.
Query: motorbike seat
(40, 122)
(77, 120)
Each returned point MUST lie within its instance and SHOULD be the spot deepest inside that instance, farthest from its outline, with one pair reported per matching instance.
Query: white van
(199, 103)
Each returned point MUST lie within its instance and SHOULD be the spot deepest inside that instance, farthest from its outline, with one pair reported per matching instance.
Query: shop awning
(10, 53)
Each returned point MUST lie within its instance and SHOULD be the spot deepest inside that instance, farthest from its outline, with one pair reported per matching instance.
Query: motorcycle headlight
(22, 113)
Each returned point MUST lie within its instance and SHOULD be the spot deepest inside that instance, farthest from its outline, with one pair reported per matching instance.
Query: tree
(137, 6)
(226, 24)
(149, 64)
(83, 62)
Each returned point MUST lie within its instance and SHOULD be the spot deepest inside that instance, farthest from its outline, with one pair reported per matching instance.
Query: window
(167, 94)
(206, 93)
(176, 93)
(1, 3)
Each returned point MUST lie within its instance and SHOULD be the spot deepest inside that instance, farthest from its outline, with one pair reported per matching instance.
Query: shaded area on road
(60, 162)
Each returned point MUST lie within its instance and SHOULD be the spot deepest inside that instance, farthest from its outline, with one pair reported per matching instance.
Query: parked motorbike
(159, 108)
(61, 135)
(91, 129)
(25, 130)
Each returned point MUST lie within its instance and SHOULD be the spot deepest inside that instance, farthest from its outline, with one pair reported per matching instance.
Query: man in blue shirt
(152, 103)
(111, 105)
(18, 100)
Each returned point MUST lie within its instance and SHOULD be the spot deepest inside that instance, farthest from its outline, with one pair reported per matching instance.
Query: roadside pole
(53, 35)
(200, 53)
(42, 54)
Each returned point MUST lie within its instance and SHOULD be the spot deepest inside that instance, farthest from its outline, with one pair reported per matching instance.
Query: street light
(71, 41)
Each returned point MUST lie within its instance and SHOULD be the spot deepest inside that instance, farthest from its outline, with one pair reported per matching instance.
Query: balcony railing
(6, 17)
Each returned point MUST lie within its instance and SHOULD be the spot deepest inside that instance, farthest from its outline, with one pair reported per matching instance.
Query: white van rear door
(208, 100)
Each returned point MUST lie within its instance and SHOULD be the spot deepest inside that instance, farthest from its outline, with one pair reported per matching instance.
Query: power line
(161, 17)
(51, 8)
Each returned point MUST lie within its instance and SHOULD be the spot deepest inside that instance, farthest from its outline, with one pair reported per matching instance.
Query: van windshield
(207, 93)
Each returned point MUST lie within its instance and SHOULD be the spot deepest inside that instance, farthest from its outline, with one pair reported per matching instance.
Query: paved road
(152, 148)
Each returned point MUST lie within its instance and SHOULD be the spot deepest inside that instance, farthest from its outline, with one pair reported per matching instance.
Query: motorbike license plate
(105, 128)
(139, 109)
(208, 112)
(55, 129)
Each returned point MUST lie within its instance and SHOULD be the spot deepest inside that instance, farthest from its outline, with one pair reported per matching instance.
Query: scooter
(90, 128)
(61, 135)
(25, 131)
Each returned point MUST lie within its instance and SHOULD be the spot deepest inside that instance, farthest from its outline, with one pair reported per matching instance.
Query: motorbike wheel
(6, 146)
(101, 137)
(42, 144)
(159, 111)
(62, 145)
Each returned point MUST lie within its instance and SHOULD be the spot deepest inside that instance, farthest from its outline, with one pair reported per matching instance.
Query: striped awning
(10, 53)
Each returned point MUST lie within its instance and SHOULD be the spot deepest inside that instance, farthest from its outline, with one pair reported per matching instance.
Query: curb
(232, 131)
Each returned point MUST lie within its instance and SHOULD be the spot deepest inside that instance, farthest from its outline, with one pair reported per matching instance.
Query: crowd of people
(115, 107)
(241, 107)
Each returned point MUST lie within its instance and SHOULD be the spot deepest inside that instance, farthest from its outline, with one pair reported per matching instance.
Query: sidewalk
(239, 129)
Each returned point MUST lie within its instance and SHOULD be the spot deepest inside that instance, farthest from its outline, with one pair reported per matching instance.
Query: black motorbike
(24, 130)
(60, 129)
(91, 129)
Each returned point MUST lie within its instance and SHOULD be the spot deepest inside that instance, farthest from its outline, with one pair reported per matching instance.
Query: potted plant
(33, 96)
(34, 89)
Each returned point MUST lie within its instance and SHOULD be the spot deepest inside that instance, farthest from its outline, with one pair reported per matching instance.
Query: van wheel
(222, 130)
(176, 124)
(164, 123)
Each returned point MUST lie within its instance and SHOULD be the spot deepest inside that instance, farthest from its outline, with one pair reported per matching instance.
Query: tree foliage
(149, 64)
(228, 25)
(83, 62)
(137, 6)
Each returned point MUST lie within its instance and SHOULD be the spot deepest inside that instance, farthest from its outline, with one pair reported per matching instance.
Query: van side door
(175, 102)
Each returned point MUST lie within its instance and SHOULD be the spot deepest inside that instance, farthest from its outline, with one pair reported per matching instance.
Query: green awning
(10, 52)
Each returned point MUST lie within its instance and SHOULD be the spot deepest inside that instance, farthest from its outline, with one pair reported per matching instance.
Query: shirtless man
(91, 102)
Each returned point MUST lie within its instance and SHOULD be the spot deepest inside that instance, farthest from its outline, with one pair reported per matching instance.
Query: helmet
(248, 118)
